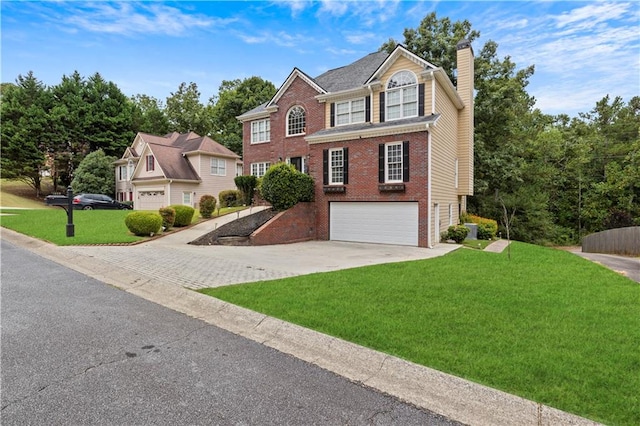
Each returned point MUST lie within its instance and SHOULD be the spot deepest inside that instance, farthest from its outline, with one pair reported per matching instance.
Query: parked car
(98, 201)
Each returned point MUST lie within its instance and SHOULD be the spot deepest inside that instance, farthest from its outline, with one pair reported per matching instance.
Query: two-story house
(388, 140)
(158, 171)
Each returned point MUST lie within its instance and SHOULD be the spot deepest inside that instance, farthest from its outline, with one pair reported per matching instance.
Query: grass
(547, 325)
(18, 194)
(477, 244)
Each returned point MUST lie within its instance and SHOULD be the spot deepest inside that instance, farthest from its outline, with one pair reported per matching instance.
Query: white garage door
(369, 222)
(150, 200)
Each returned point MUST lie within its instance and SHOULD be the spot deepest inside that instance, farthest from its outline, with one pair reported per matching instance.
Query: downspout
(429, 232)
(433, 93)
(169, 192)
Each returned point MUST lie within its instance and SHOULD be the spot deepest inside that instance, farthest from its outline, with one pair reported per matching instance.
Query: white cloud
(136, 18)
(591, 15)
(354, 37)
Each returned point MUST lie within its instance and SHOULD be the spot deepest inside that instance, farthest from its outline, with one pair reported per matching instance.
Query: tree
(95, 174)
(186, 113)
(236, 97)
(435, 41)
(149, 116)
(24, 114)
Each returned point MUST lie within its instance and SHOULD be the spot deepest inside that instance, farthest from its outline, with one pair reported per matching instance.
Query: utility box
(473, 231)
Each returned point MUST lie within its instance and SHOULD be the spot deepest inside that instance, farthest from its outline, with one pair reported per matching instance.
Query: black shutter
(382, 107)
(345, 166)
(333, 114)
(421, 99)
(405, 161)
(381, 163)
(367, 109)
(325, 167)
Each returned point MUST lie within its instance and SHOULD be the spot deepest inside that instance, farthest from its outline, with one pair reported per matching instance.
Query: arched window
(402, 96)
(296, 121)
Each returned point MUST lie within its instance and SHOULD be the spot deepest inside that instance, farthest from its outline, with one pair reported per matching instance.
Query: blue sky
(582, 51)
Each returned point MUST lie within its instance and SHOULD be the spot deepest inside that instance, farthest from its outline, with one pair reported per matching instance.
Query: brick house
(388, 140)
(158, 171)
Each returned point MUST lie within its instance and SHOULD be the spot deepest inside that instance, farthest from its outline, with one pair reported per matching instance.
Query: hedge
(143, 223)
(184, 215)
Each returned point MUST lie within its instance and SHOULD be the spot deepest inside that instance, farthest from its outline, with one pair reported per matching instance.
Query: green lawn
(547, 325)
(91, 226)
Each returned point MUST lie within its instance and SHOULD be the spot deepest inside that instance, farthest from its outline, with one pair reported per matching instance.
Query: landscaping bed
(242, 227)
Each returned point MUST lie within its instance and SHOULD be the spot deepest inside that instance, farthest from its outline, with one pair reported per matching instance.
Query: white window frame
(393, 161)
(338, 167)
(218, 167)
(402, 85)
(260, 131)
(348, 112)
(150, 162)
(187, 198)
(131, 168)
(259, 169)
(122, 173)
(297, 108)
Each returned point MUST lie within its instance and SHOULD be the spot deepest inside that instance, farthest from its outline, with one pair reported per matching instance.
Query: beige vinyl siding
(444, 152)
(177, 188)
(213, 184)
(401, 64)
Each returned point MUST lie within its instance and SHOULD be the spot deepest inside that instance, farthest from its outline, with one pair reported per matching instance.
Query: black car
(97, 201)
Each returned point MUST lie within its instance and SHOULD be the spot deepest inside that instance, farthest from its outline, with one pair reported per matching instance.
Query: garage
(150, 200)
(374, 222)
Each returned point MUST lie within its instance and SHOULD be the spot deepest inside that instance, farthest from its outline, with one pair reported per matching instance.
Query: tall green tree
(186, 113)
(236, 97)
(95, 174)
(149, 116)
(435, 41)
(24, 114)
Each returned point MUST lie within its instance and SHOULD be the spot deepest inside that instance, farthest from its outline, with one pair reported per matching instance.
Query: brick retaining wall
(290, 226)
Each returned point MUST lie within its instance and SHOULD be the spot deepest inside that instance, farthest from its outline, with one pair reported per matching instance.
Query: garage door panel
(371, 222)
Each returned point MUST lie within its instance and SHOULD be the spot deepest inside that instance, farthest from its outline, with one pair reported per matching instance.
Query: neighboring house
(158, 171)
(388, 140)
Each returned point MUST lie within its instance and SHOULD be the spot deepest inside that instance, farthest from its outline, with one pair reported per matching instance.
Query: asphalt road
(77, 351)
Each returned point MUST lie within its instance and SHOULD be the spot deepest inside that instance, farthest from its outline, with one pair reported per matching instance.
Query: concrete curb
(442, 393)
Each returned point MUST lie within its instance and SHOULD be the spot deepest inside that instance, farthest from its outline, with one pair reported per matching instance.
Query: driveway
(627, 266)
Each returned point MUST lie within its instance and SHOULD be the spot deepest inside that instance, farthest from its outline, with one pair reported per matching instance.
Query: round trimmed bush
(457, 233)
(143, 224)
(229, 198)
(184, 215)
(168, 215)
(207, 206)
(283, 186)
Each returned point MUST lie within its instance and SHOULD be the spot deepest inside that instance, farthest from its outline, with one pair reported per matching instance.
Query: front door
(297, 163)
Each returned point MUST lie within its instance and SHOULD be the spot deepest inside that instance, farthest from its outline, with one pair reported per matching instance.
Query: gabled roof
(353, 75)
(172, 163)
(171, 150)
(296, 73)
(399, 51)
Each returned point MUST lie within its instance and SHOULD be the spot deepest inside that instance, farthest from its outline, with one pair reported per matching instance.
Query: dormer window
(402, 96)
(296, 121)
(150, 163)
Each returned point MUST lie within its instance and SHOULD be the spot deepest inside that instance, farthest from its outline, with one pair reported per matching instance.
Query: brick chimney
(465, 89)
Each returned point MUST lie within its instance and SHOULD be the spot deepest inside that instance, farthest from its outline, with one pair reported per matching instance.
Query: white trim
(371, 132)
(266, 131)
(292, 76)
(398, 51)
(330, 166)
(304, 127)
(386, 161)
(401, 90)
(429, 189)
(350, 113)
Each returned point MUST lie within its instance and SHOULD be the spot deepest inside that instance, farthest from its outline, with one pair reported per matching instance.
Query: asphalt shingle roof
(353, 75)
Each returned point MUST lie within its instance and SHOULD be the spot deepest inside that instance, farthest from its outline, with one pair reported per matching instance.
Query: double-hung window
(259, 169)
(218, 167)
(260, 131)
(350, 112)
(393, 162)
(336, 161)
(335, 166)
(296, 121)
(150, 163)
(122, 173)
(402, 96)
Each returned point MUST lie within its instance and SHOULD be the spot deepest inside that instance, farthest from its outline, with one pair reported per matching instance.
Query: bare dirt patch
(242, 227)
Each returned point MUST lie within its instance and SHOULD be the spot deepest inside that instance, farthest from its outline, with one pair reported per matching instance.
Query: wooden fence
(624, 241)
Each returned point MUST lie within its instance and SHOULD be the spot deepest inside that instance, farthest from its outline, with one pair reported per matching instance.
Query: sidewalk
(497, 246)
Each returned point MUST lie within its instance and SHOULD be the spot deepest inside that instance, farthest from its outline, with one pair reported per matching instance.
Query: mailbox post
(70, 225)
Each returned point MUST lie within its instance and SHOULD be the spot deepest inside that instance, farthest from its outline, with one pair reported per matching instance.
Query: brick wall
(281, 146)
(363, 178)
(290, 226)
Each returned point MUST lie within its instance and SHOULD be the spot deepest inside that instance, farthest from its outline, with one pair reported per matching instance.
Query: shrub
(457, 233)
(184, 215)
(207, 206)
(229, 198)
(143, 223)
(247, 185)
(283, 186)
(487, 228)
(168, 215)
